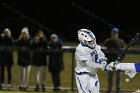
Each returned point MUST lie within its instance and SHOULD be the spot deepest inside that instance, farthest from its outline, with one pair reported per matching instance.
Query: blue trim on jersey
(90, 47)
(80, 84)
(100, 60)
(96, 83)
(105, 68)
(86, 45)
(137, 67)
(96, 58)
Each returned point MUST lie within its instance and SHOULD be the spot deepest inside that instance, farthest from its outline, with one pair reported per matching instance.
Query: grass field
(33, 92)
(66, 76)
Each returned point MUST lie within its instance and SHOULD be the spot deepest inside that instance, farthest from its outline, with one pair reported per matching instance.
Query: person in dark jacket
(24, 60)
(6, 55)
(114, 45)
(39, 60)
(55, 60)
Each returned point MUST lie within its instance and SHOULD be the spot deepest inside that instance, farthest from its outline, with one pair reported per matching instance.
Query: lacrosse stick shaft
(132, 42)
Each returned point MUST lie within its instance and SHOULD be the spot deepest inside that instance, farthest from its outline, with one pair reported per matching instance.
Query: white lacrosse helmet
(87, 38)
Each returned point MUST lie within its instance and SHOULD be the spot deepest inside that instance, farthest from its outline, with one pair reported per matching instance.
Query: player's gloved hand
(114, 65)
(109, 67)
(121, 66)
(130, 73)
(102, 62)
(104, 65)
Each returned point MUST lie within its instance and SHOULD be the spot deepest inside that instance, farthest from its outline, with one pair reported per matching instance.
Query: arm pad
(125, 66)
(137, 67)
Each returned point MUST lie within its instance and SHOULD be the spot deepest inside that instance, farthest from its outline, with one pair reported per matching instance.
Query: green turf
(66, 76)
(134, 82)
(33, 92)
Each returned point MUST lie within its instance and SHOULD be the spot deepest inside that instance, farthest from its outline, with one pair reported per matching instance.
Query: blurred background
(65, 19)
(62, 18)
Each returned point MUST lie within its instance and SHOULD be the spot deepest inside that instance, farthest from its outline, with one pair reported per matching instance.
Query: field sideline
(33, 92)
(66, 76)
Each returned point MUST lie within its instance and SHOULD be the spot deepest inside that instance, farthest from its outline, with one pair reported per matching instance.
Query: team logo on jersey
(94, 56)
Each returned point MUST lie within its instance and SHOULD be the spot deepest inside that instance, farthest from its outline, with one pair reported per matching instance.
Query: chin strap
(86, 45)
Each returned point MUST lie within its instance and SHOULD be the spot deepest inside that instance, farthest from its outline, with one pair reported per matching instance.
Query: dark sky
(123, 14)
(53, 14)
(60, 17)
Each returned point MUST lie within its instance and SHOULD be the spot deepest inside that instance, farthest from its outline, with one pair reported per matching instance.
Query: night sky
(123, 14)
(62, 18)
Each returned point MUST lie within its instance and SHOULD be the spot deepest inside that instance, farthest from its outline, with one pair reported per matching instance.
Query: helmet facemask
(91, 44)
(87, 38)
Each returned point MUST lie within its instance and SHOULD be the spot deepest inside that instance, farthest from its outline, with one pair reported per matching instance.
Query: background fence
(67, 75)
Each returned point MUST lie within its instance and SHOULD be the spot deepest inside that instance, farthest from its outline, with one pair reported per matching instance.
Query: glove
(131, 73)
(102, 62)
(127, 67)
(103, 65)
(114, 65)
(109, 67)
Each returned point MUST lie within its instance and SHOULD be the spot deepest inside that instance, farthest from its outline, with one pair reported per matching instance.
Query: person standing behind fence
(6, 56)
(55, 60)
(39, 61)
(24, 62)
(114, 44)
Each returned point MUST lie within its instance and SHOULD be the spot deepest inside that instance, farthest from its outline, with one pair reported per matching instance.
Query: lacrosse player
(89, 59)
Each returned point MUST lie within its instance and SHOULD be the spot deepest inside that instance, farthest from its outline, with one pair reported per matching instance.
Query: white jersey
(87, 59)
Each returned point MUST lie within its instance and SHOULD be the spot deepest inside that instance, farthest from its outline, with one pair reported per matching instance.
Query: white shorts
(87, 83)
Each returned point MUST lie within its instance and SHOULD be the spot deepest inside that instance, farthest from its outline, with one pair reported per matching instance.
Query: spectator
(55, 61)
(39, 44)
(114, 44)
(6, 56)
(24, 61)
